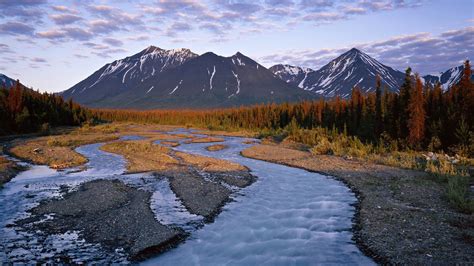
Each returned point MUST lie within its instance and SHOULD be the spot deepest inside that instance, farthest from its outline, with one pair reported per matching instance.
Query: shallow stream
(288, 216)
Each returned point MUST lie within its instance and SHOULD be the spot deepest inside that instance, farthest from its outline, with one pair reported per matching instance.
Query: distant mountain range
(179, 78)
(447, 78)
(338, 77)
(355, 68)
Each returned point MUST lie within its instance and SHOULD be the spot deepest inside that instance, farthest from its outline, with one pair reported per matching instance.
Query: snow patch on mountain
(151, 88)
(212, 76)
(177, 86)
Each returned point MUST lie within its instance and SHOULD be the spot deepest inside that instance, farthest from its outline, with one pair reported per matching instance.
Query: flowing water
(288, 216)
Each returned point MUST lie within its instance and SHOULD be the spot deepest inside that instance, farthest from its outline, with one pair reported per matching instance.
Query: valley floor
(402, 216)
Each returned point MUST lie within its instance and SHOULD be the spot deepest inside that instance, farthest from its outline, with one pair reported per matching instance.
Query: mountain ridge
(208, 80)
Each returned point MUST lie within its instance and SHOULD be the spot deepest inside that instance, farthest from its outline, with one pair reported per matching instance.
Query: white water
(288, 216)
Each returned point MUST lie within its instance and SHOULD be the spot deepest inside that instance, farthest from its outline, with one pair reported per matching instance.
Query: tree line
(418, 117)
(23, 110)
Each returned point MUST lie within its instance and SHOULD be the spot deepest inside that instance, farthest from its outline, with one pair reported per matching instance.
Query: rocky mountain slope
(181, 79)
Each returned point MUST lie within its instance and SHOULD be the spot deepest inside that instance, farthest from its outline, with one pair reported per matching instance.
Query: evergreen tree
(404, 99)
(416, 121)
(378, 108)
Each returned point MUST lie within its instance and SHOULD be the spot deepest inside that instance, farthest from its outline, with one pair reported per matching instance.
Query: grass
(143, 155)
(205, 140)
(458, 193)
(216, 147)
(209, 164)
(57, 151)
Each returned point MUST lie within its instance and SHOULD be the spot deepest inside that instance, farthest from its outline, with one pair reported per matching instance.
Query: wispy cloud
(63, 19)
(16, 28)
(86, 20)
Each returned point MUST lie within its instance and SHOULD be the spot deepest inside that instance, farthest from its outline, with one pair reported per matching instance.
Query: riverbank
(8, 170)
(402, 217)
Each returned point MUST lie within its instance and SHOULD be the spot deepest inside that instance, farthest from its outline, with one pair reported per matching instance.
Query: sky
(52, 45)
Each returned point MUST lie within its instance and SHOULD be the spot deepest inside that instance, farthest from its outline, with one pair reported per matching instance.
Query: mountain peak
(152, 48)
(354, 50)
(209, 54)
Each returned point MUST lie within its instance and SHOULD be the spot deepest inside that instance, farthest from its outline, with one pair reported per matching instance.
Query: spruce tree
(378, 108)
(416, 121)
(404, 99)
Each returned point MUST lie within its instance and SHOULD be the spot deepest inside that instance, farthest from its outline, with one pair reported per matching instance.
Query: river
(289, 216)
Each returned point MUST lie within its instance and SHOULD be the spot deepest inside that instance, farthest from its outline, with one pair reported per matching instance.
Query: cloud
(107, 53)
(316, 4)
(24, 9)
(354, 10)
(215, 28)
(20, 3)
(177, 28)
(103, 26)
(113, 41)
(16, 28)
(66, 33)
(64, 9)
(52, 34)
(80, 56)
(142, 37)
(423, 52)
(38, 60)
(96, 46)
(5, 49)
(324, 16)
(279, 2)
(78, 33)
(116, 15)
(64, 19)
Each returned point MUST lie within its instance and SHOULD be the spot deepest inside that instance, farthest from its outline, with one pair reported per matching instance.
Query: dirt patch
(142, 155)
(55, 151)
(402, 216)
(170, 143)
(216, 147)
(244, 134)
(109, 213)
(205, 140)
(209, 164)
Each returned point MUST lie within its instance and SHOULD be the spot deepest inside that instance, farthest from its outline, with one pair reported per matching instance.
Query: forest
(23, 110)
(419, 117)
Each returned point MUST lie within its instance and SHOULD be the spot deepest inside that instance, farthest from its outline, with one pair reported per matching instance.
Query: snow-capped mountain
(447, 78)
(192, 81)
(291, 74)
(6, 81)
(338, 77)
(126, 74)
